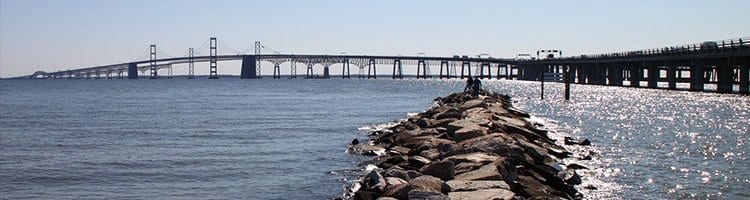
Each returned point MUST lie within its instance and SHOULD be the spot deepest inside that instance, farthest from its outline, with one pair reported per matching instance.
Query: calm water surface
(286, 139)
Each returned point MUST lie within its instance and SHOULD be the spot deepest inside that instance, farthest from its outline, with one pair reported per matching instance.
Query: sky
(51, 35)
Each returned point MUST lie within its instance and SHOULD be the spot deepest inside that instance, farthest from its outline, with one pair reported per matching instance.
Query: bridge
(724, 64)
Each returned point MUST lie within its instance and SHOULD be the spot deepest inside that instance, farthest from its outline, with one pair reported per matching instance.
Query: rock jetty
(465, 147)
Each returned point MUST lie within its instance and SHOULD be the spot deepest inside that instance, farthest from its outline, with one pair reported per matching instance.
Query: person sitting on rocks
(476, 87)
(469, 84)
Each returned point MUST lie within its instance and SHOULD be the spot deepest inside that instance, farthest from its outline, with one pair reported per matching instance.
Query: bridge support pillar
(614, 74)
(397, 71)
(132, 71)
(697, 76)
(248, 67)
(671, 76)
(276, 71)
(744, 79)
(345, 73)
(444, 64)
(465, 65)
(653, 76)
(371, 67)
(326, 72)
(421, 69)
(725, 76)
(636, 75)
(580, 74)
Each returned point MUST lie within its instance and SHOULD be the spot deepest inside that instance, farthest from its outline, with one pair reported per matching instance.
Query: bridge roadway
(723, 63)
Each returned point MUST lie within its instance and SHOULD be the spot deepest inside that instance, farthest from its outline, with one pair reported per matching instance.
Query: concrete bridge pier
(697, 76)
(326, 72)
(132, 71)
(600, 75)
(397, 70)
(580, 74)
(671, 75)
(249, 67)
(636, 75)
(744, 79)
(465, 65)
(309, 72)
(345, 73)
(421, 69)
(481, 70)
(725, 76)
(276, 71)
(653, 76)
(371, 67)
(444, 64)
(614, 74)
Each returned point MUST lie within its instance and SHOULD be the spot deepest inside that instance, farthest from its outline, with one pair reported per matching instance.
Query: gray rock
(482, 194)
(428, 183)
(476, 157)
(432, 154)
(466, 167)
(450, 113)
(455, 185)
(440, 169)
(472, 104)
(400, 191)
(468, 132)
(426, 195)
(395, 181)
(418, 161)
(375, 181)
(486, 172)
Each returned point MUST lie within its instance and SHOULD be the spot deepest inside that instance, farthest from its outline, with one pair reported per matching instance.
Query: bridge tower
(258, 47)
(212, 74)
(191, 64)
(152, 58)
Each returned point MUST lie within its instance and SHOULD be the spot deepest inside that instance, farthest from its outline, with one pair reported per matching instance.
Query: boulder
(472, 104)
(397, 172)
(442, 122)
(468, 132)
(455, 185)
(431, 154)
(440, 169)
(466, 166)
(395, 181)
(450, 113)
(428, 183)
(458, 124)
(375, 181)
(417, 162)
(494, 194)
(424, 122)
(400, 191)
(500, 169)
(425, 195)
(476, 157)
(572, 141)
(486, 172)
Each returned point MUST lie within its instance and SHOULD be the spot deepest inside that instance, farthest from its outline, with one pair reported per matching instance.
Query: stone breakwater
(466, 147)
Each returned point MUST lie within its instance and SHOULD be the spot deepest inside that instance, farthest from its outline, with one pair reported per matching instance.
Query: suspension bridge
(723, 64)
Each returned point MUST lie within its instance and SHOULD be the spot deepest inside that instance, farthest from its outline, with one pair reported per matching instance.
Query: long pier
(725, 64)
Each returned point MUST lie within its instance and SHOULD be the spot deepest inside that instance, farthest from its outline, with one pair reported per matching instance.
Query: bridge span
(723, 63)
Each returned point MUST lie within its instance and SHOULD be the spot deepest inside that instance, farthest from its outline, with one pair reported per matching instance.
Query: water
(286, 139)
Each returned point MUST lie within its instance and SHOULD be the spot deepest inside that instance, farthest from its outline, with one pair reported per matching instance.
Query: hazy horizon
(51, 35)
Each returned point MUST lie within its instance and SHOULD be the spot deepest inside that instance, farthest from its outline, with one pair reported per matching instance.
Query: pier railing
(721, 46)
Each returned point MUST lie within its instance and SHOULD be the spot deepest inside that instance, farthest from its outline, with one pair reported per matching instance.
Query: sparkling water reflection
(285, 139)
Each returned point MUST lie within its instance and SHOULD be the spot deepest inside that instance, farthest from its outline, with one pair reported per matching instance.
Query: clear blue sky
(53, 35)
